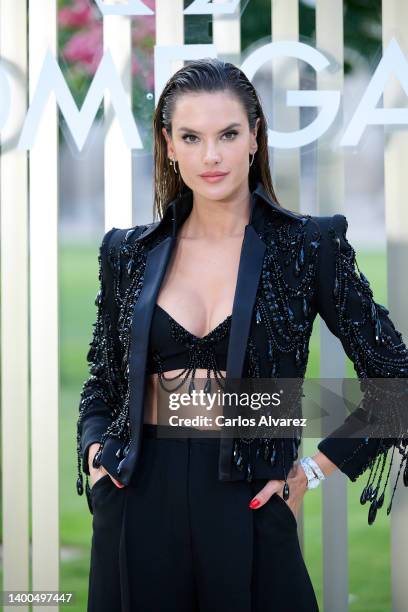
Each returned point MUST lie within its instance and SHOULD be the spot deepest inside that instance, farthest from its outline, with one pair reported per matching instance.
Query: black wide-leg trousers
(177, 539)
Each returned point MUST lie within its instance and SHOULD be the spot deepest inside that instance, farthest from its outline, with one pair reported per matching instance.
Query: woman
(225, 286)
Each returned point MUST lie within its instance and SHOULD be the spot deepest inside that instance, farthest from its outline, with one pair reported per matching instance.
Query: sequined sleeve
(346, 303)
(100, 395)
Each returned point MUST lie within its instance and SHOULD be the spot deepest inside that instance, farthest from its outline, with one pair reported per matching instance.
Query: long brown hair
(207, 75)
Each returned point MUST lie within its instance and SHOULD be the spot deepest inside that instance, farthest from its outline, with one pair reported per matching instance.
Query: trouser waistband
(168, 432)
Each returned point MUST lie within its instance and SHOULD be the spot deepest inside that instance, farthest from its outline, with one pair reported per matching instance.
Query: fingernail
(254, 503)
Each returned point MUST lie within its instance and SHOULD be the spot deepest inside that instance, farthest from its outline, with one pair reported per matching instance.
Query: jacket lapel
(156, 263)
(249, 271)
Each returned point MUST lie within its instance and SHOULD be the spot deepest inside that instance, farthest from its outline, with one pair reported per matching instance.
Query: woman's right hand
(97, 473)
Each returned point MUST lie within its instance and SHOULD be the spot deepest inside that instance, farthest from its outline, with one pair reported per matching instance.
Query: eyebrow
(186, 129)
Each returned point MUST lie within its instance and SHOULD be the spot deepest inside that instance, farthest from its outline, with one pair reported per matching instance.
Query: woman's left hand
(297, 482)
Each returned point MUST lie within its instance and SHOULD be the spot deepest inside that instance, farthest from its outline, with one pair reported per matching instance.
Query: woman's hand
(97, 473)
(297, 482)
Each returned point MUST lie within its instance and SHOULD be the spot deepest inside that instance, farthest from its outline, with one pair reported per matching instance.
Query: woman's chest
(199, 285)
(269, 292)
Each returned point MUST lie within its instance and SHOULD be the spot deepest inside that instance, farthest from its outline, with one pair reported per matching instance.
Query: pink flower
(85, 48)
(150, 81)
(79, 15)
(144, 32)
(136, 67)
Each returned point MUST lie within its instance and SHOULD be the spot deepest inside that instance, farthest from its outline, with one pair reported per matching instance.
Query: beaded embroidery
(109, 373)
(284, 334)
(357, 312)
(201, 354)
(285, 307)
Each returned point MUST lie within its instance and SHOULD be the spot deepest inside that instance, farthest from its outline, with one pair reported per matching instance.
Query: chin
(217, 191)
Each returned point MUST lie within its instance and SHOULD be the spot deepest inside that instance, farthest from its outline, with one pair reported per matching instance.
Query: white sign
(197, 7)
(79, 121)
(131, 7)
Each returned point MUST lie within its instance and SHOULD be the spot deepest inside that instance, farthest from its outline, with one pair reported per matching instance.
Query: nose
(211, 156)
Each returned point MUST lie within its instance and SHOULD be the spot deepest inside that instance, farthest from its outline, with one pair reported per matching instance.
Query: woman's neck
(217, 219)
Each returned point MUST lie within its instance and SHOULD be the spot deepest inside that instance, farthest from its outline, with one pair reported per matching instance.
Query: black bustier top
(173, 347)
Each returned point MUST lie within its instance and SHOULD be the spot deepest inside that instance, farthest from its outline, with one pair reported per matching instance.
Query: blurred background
(81, 225)
(80, 50)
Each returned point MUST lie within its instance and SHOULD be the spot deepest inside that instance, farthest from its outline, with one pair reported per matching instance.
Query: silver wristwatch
(313, 473)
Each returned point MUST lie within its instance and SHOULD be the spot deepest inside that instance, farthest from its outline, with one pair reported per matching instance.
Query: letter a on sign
(132, 7)
(205, 7)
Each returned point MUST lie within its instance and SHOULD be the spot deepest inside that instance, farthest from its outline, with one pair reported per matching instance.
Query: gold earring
(173, 163)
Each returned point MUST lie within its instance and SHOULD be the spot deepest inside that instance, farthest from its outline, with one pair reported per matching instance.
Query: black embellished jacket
(292, 267)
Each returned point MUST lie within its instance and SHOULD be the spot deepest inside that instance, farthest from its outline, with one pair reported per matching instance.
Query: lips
(210, 174)
(213, 178)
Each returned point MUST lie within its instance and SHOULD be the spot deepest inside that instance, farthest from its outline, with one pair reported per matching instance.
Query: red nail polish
(254, 503)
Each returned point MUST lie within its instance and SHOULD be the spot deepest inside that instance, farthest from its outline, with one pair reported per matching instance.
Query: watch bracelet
(315, 467)
(310, 475)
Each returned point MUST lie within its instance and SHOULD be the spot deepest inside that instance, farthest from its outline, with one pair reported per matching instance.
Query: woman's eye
(233, 132)
(188, 136)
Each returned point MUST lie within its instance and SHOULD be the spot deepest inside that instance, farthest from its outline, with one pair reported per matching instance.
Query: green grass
(369, 558)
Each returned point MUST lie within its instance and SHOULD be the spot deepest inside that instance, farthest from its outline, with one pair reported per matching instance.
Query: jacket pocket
(100, 482)
(286, 506)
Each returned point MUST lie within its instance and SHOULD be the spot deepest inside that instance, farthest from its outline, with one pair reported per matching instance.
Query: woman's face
(210, 133)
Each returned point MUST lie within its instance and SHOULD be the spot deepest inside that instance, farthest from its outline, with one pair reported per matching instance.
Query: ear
(254, 144)
(170, 149)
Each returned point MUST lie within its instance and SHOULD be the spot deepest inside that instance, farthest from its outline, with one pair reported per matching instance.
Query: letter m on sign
(79, 121)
